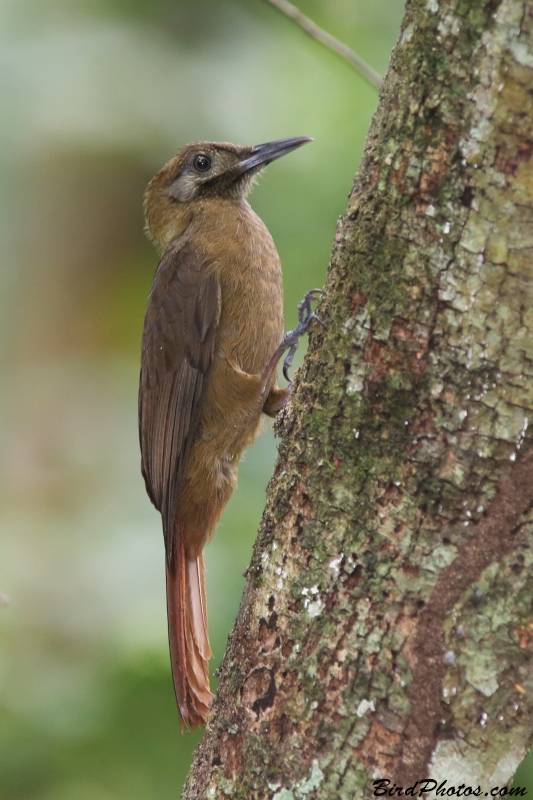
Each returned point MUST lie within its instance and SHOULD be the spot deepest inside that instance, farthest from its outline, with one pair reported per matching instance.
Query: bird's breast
(251, 322)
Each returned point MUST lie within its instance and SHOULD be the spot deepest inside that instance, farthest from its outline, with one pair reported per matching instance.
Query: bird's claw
(306, 316)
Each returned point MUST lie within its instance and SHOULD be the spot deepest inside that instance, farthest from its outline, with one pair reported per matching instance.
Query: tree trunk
(386, 626)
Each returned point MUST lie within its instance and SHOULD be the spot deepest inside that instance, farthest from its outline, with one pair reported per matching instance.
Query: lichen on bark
(386, 624)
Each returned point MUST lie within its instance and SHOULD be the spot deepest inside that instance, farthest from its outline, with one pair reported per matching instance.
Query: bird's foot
(306, 317)
(291, 340)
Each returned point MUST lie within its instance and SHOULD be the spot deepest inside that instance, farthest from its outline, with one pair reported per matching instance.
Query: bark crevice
(492, 539)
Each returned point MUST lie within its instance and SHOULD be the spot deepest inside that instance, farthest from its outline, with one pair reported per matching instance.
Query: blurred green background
(97, 95)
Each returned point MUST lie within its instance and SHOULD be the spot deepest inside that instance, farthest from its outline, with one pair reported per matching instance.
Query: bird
(211, 345)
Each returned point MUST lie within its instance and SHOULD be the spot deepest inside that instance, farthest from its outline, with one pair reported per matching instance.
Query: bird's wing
(177, 350)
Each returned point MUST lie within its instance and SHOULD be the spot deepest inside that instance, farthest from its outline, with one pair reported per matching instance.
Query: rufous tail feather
(187, 633)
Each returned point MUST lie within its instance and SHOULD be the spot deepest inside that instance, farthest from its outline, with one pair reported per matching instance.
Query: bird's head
(208, 169)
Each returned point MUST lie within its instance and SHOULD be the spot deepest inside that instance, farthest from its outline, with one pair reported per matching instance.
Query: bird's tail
(187, 631)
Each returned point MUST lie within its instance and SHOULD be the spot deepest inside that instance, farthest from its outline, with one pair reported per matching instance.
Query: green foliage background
(98, 94)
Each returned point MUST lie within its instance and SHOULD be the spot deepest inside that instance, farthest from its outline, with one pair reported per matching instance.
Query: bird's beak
(265, 153)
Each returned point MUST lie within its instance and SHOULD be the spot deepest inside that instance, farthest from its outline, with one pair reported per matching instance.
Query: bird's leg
(291, 340)
(306, 316)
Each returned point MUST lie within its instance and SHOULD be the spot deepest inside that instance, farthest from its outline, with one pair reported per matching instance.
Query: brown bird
(211, 344)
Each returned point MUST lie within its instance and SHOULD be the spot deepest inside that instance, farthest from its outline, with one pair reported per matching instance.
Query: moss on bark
(386, 624)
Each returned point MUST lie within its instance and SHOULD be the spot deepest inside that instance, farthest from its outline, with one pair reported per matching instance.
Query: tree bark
(386, 625)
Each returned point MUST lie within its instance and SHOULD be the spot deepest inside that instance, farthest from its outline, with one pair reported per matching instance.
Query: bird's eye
(202, 163)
